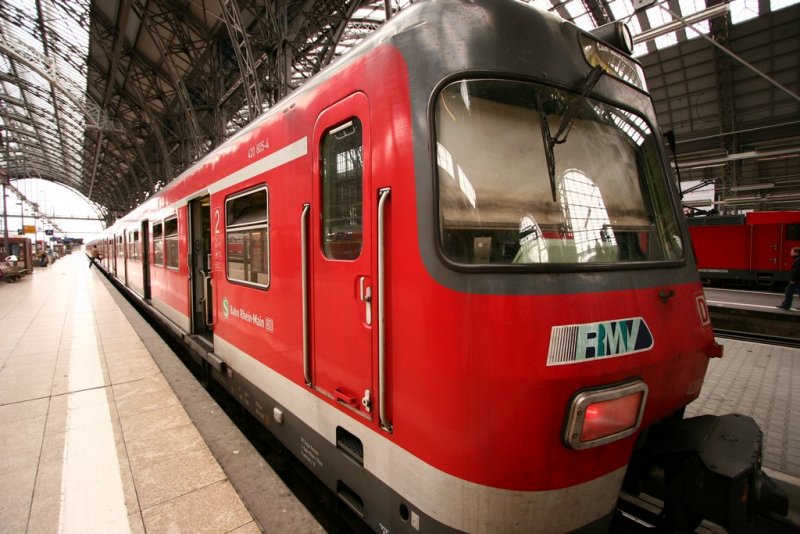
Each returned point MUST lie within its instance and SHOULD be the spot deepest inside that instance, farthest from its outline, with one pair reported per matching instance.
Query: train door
(342, 280)
(113, 252)
(125, 254)
(766, 249)
(146, 259)
(200, 265)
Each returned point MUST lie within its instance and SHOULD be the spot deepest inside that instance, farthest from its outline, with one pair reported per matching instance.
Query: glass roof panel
(621, 9)
(49, 44)
(742, 10)
(544, 5)
(36, 111)
(775, 5)
(658, 17)
(575, 8)
(689, 7)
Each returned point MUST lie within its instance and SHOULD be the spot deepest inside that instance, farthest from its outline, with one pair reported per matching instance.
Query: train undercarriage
(707, 469)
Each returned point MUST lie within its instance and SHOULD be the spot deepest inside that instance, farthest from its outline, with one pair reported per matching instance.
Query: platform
(94, 437)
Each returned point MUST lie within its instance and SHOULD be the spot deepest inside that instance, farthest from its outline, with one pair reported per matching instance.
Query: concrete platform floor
(92, 436)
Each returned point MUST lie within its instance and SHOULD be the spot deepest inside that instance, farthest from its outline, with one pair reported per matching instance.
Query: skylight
(742, 10)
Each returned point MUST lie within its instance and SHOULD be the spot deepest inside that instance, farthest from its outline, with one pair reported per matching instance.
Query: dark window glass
(158, 244)
(597, 196)
(171, 241)
(342, 176)
(135, 246)
(793, 232)
(247, 237)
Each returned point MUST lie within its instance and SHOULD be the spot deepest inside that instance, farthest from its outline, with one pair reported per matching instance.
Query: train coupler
(706, 467)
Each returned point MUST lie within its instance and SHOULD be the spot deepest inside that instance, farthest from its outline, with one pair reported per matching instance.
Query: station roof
(114, 98)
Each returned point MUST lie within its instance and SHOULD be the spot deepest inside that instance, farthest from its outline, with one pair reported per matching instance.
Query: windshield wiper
(568, 116)
(548, 146)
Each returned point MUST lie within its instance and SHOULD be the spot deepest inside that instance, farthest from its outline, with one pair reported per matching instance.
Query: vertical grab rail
(304, 285)
(384, 197)
(206, 284)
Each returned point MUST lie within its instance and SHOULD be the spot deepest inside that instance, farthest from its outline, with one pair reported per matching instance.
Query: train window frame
(334, 244)
(667, 192)
(248, 227)
(169, 237)
(158, 243)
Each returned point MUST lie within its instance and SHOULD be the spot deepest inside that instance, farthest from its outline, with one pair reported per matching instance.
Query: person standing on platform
(794, 280)
(95, 255)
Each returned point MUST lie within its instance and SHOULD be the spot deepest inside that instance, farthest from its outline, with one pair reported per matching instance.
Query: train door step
(215, 361)
(202, 345)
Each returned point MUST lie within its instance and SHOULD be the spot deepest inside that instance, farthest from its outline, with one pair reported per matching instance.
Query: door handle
(205, 291)
(206, 303)
(204, 299)
(365, 294)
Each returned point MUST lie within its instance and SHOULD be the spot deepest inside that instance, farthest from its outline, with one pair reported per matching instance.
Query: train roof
(428, 17)
(460, 31)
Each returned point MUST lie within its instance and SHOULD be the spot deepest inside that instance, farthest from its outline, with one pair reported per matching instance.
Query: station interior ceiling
(115, 98)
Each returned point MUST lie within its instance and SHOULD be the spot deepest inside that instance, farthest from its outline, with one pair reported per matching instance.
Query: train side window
(793, 232)
(158, 244)
(132, 245)
(171, 242)
(342, 177)
(247, 237)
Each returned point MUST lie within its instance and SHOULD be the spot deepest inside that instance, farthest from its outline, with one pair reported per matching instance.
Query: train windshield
(604, 200)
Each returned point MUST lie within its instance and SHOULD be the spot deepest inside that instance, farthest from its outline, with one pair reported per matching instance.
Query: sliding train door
(200, 267)
(125, 256)
(145, 256)
(766, 252)
(341, 252)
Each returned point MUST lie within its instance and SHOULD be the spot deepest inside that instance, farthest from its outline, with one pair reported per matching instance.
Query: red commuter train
(752, 248)
(450, 274)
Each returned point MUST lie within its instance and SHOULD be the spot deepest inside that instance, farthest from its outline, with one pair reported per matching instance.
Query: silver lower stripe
(458, 503)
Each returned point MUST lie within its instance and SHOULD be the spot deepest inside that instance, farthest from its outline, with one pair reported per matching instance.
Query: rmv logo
(576, 343)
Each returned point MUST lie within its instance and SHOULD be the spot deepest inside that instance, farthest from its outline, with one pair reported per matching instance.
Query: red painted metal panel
(721, 247)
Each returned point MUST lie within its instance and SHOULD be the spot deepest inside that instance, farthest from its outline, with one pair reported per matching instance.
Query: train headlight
(614, 63)
(600, 416)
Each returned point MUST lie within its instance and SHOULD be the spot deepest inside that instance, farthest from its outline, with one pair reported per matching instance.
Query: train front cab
(561, 273)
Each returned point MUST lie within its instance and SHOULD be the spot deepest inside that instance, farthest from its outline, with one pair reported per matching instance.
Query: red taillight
(601, 416)
(610, 417)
